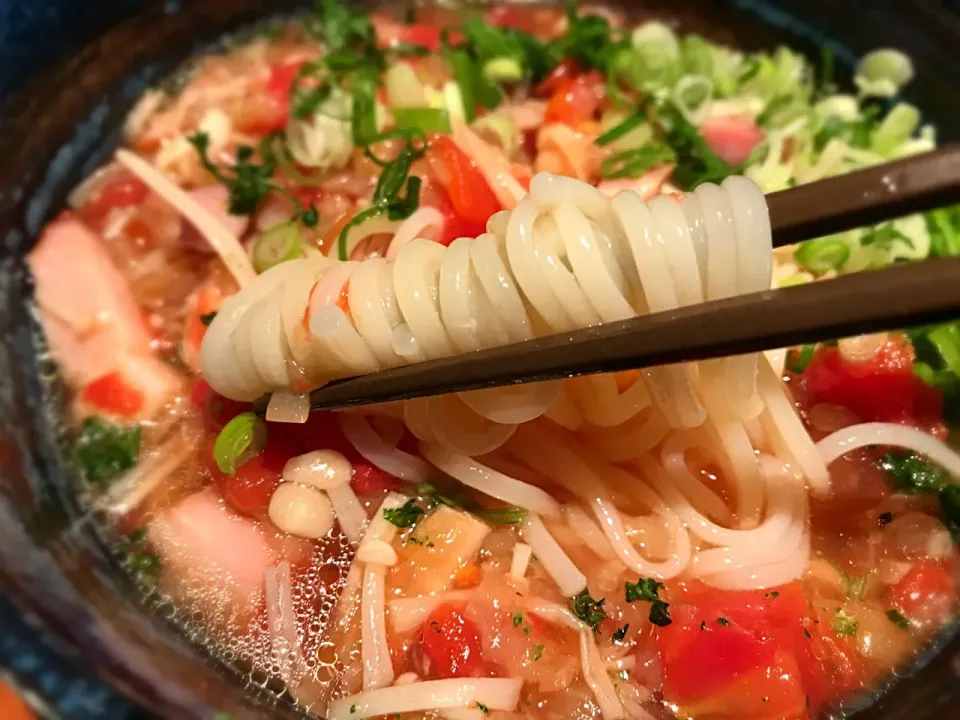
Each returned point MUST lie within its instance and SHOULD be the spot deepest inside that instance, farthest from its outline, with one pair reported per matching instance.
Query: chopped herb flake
(207, 318)
(517, 619)
(723, 621)
(482, 708)
(620, 634)
(537, 652)
(588, 609)
(771, 595)
(884, 519)
(103, 450)
(405, 516)
(647, 590)
(897, 619)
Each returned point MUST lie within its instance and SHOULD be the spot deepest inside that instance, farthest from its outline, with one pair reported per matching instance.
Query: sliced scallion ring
(824, 255)
(429, 120)
(797, 360)
(276, 245)
(618, 131)
(241, 439)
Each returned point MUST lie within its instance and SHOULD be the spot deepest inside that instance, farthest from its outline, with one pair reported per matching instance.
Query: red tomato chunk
(451, 643)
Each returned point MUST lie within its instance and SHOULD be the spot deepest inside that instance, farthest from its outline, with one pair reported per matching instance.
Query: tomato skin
(113, 395)
(725, 651)
(926, 594)
(427, 36)
(883, 389)
(454, 226)
(123, 190)
(369, 479)
(249, 490)
(576, 100)
(566, 70)
(451, 642)
(217, 410)
(468, 191)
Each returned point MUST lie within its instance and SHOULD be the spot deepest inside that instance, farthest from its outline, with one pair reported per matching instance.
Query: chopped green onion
(429, 120)
(944, 236)
(824, 255)
(617, 132)
(797, 360)
(277, 244)
(895, 129)
(503, 69)
(883, 72)
(502, 128)
(946, 340)
(240, 440)
(465, 73)
(511, 516)
(364, 115)
(635, 162)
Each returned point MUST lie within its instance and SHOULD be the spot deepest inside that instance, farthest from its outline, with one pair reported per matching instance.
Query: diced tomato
(455, 226)
(273, 112)
(427, 36)
(927, 594)
(515, 18)
(249, 490)
(733, 649)
(472, 198)
(451, 643)
(369, 479)
(217, 410)
(576, 99)
(883, 389)
(112, 394)
(732, 137)
(565, 71)
(123, 190)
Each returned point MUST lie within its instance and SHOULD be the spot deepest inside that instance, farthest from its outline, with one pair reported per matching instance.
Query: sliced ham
(212, 555)
(732, 137)
(214, 199)
(95, 330)
(78, 285)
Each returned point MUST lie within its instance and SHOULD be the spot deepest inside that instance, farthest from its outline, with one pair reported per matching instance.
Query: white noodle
(858, 436)
(490, 482)
(493, 693)
(408, 614)
(520, 560)
(221, 239)
(555, 561)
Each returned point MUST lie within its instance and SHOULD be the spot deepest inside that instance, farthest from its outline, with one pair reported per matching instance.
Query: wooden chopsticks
(864, 302)
(866, 197)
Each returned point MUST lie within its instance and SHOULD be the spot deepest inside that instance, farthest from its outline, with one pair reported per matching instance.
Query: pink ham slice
(78, 284)
(213, 555)
(92, 323)
(215, 199)
(732, 137)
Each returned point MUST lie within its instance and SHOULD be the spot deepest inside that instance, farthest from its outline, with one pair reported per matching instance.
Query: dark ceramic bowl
(71, 624)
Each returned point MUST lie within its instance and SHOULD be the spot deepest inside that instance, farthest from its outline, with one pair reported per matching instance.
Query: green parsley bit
(647, 590)
(481, 707)
(102, 450)
(405, 516)
(723, 621)
(537, 652)
(588, 609)
(620, 634)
